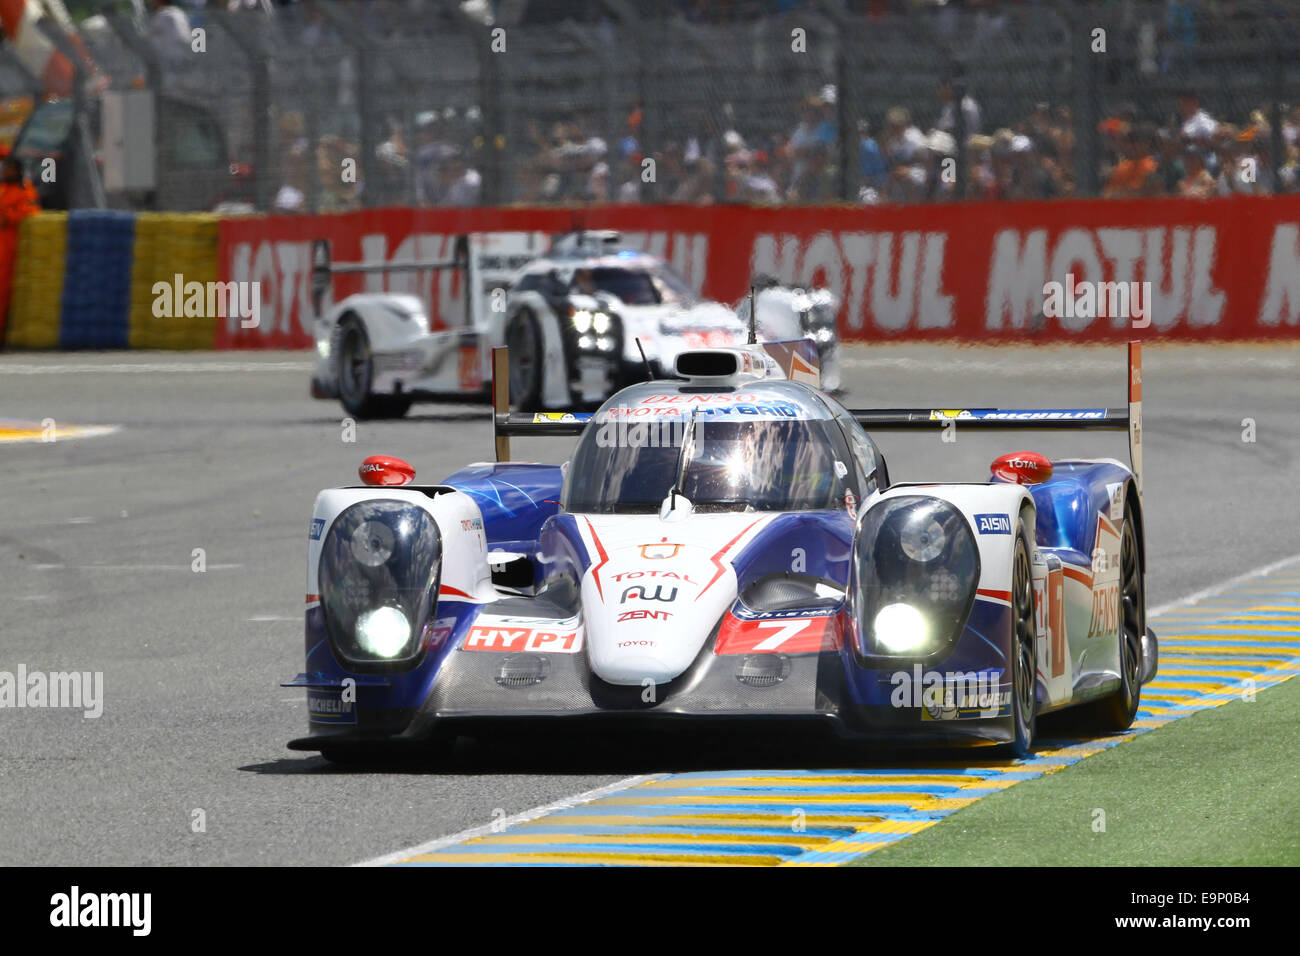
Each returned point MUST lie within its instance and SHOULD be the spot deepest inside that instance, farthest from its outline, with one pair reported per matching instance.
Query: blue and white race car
(725, 546)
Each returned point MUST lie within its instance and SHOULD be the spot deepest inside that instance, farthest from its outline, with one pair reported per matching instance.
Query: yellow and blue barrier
(35, 308)
(85, 280)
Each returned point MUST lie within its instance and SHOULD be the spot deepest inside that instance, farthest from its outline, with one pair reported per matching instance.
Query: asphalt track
(225, 452)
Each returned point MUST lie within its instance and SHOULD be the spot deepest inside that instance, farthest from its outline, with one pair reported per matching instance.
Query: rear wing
(506, 424)
(324, 268)
(487, 261)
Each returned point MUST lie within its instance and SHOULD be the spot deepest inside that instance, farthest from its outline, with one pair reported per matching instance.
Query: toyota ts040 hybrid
(728, 546)
(582, 318)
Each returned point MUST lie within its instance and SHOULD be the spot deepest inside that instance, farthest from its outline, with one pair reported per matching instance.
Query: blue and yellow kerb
(1221, 649)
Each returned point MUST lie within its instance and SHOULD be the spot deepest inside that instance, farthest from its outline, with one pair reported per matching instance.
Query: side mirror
(675, 507)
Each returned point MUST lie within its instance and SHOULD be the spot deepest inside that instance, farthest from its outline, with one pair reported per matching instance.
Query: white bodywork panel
(643, 566)
(459, 521)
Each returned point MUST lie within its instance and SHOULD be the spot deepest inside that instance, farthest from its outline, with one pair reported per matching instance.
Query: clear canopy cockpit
(769, 448)
(634, 281)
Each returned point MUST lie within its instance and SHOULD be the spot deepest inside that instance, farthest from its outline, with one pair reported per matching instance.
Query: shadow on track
(628, 753)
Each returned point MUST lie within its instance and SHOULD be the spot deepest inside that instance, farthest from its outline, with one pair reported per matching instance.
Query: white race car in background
(582, 321)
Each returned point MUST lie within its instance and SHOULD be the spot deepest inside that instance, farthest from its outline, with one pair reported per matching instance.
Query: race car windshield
(632, 286)
(783, 465)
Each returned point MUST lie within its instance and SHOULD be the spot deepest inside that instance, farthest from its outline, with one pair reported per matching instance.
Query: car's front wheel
(524, 339)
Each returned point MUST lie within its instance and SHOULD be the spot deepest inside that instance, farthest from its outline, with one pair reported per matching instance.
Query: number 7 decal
(784, 631)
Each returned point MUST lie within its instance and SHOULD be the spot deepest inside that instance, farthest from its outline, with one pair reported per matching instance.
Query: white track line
(498, 825)
(1197, 597)
(569, 802)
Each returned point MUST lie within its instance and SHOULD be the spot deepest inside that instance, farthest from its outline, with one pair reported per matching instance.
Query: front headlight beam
(916, 570)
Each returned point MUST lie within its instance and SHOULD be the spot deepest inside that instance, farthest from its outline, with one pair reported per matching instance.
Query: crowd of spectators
(904, 160)
(938, 149)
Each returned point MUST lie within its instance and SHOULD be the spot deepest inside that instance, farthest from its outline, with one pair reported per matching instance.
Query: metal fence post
(366, 113)
(260, 72)
(89, 186)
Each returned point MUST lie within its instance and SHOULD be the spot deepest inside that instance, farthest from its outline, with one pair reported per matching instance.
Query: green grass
(1219, 788)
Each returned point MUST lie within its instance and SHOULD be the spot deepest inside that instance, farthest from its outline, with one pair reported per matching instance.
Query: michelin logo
(993, 524)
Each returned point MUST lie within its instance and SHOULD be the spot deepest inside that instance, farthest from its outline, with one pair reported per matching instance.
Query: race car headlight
(900, 628)
(916, 571)
(582, 321)
(595, 330)
(379, 570)
(383, 632)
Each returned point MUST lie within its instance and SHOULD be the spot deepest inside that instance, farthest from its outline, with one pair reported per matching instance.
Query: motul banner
(1081, 270)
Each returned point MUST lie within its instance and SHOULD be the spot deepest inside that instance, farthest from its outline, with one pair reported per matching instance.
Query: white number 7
(784, 633)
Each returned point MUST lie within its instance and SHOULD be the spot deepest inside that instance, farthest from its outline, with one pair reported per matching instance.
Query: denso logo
(993, 524)
(1104, 619)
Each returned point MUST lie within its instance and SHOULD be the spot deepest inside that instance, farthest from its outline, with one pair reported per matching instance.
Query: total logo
(633, 575)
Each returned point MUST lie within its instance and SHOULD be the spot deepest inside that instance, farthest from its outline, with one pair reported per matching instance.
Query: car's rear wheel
(355, 371)
(1024, 660)
(1116, 711)
(524, 339)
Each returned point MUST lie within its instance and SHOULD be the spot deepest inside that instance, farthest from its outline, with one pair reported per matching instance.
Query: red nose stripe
(717, 559)
(604, 558)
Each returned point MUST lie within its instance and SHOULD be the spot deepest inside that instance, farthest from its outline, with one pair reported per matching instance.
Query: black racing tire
(1115, 712)
(524, 339)
(354, 368)
(1024, 649)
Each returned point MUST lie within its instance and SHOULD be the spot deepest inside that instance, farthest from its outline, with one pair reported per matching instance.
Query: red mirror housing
(1021, 468)
(386, 470)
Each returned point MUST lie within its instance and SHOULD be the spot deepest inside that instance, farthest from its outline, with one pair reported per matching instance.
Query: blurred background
(333, 105)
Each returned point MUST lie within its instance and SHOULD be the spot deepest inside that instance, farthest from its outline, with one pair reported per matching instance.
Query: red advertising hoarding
(1204, 269)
